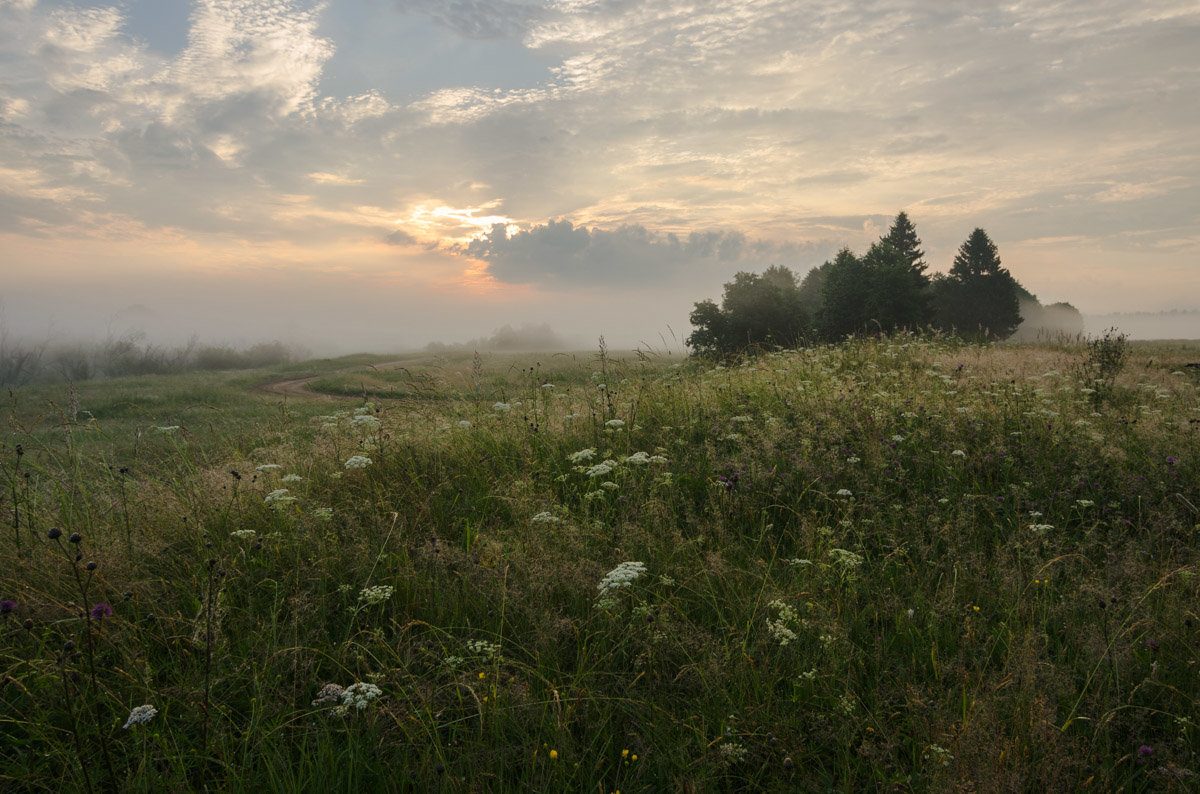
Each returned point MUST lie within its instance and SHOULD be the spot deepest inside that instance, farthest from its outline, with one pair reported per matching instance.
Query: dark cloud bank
(560, 254)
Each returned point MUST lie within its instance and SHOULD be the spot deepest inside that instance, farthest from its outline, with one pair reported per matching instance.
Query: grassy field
(908, 565)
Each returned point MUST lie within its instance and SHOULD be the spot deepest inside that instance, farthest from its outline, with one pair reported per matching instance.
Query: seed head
(75, 537)
(54, 533)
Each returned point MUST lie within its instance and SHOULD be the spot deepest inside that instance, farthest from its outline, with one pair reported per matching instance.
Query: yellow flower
(553, 755)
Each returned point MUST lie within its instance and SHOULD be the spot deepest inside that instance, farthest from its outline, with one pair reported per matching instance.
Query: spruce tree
(903, 237)
(979, 296)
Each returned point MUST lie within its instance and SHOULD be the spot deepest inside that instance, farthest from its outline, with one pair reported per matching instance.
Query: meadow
(909, 564)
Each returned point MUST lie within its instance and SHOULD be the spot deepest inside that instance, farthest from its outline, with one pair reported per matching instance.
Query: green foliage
(902, 236)
(979, 298)
(757, 311)
(875, 561)
(1104, 360)
(845, 307)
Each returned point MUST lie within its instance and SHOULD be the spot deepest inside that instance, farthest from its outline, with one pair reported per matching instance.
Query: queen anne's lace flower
(376, 594)
(279, 498)
(623, 575)
(582, 456)
(140, 714)
(358, 462)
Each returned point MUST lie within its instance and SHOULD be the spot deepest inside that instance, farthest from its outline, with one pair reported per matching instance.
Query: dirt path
(292, 387)
(298, 386)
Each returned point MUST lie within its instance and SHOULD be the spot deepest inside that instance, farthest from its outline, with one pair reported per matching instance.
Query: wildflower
(502, 407)
(484, 648)
(545, 517)
(845, 492)
(376, 594)
(732, 751)
(582, 456)
(600, 469)
(101, 611)
(7, 606)
(323, 513)
(140, 714)
(846, 558)
(1038, 529)
(464, 423)
(853, 459)
(364, 410)
(242, 534)
(615, 424)
(609, 485)
(958, 453)
(358, 696)
(369, 422)
(938, 754)
(1144, 752)
(623, 575)
(330, 693)
(291, 478)
(897, 438)
(554, 755)
(358, 462)
(268, 467)
(779, 628)
(279, 498)
(638, 458)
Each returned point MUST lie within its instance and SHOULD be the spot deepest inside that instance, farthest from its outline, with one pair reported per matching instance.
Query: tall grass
(909, 563)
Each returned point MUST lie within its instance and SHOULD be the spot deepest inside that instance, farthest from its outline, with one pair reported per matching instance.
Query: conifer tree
(979, 296)
(903, 237)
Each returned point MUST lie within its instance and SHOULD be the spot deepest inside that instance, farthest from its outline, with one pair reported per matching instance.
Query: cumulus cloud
(559, 254)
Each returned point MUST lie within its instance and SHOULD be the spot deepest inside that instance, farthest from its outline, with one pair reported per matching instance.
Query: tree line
(885, 290)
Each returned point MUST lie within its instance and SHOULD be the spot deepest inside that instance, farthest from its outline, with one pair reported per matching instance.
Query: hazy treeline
(24, 362)
(882, 291)
(526, 339)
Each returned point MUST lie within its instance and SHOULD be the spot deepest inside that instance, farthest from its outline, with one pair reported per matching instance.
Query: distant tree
(898, 297)
(810, 288)
(845, 297)
(903, 237)
(756, 311)
(979, 296)
(1046, 322)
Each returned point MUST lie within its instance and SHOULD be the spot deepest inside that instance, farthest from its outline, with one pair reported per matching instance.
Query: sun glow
(453, 225)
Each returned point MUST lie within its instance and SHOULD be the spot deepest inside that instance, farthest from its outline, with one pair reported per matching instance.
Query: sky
(379, 174)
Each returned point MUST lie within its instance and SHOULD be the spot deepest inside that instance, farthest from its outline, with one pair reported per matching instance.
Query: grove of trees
(885, 290)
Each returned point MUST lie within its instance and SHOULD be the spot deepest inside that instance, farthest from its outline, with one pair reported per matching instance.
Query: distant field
(909, 564)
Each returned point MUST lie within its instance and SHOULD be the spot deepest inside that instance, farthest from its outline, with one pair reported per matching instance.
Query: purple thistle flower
(7, 606)
(1144, 752)
(1171, 461)
(101, 611)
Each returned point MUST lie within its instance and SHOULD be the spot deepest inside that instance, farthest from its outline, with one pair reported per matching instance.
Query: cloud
(561, 255)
